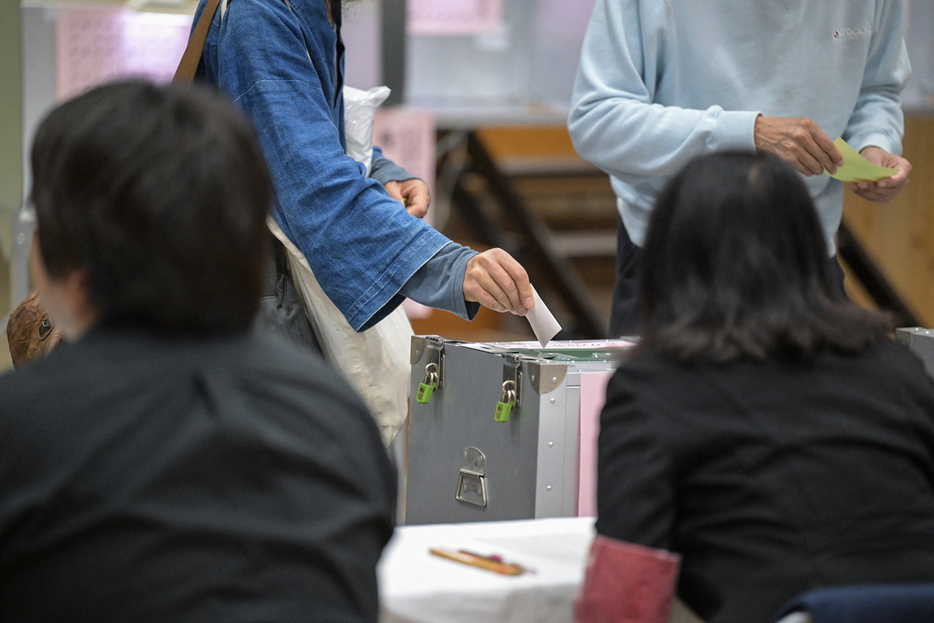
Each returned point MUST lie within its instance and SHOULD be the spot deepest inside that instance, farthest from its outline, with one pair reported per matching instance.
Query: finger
(884, 195)
(828, 147)
(508, 278)
(861, 189)
(808, 164)
(481, 287)
(499, 298)
(417, 204)
(798, 166)
(487, 299)
(506, 290)
(864, 194)
(514, 279)
(520, 279)
(418, 211)
(395, 191)
(875, 194)
(475, 292)
(417, 194)
(866, 190)
(819, 159)
(898, 179)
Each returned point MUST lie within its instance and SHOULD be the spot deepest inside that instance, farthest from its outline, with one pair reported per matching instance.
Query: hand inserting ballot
(496, 280)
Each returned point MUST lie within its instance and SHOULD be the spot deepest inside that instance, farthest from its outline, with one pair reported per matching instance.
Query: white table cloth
(417, 587)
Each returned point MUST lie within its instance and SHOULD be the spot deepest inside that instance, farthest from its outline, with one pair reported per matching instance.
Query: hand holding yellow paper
(856, 168)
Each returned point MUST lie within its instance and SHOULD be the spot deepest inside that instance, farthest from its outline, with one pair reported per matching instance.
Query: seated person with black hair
(169, 463)
(768, 430)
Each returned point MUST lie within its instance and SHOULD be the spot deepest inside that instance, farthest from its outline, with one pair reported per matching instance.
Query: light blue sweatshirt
(663, 81)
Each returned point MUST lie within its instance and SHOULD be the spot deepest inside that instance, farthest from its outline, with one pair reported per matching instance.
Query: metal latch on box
(512, 381)
(471, 483)
(433, 348)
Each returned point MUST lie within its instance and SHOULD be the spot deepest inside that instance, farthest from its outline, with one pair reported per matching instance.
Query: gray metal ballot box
(494, 427)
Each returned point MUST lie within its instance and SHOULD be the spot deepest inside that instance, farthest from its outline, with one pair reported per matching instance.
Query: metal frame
(870, 276)
(393, 48)
(535, 238)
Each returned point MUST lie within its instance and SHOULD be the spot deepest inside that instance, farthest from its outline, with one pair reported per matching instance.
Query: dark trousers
(624, 316)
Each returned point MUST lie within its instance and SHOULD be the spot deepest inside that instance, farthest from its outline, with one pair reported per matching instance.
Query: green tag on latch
(424, 393)
(503, 409)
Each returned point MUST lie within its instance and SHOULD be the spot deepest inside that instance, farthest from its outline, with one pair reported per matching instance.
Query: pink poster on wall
(454, 17)
(593, 395)
(95, 45)
(407, 137)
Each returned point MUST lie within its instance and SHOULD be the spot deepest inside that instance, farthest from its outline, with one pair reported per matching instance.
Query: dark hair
(160, 193)
(735, 264)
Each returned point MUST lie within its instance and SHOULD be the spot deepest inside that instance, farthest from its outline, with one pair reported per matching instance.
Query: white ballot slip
(543, 322)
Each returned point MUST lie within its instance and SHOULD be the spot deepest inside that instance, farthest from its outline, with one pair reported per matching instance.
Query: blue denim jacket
(278, 63)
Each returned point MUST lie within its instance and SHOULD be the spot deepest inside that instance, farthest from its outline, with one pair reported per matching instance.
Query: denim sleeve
(361, 243)
(439, 283)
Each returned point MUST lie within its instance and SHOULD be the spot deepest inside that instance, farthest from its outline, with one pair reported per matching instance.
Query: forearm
(439, 283)
(615, 121)
(634, 141)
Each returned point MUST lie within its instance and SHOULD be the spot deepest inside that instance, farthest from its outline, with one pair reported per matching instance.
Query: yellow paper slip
(856, 168)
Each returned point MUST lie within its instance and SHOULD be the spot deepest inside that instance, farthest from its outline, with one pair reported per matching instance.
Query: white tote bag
(376, 362)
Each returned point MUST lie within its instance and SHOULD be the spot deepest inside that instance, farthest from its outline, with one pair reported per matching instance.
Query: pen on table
(475, 560)
(493, 557)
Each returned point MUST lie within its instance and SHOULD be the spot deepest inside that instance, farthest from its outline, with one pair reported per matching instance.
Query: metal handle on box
(471, 481)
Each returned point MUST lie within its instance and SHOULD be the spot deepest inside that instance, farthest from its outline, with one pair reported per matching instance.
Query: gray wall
(919, 92)
(11, 144)
(524, 73)
(38, 97)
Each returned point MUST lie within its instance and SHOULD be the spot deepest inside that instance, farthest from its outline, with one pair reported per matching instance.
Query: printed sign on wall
(454, 17)
(96, 45)
(407, 137)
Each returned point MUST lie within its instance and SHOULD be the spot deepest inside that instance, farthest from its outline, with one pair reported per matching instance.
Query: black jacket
(188, 479)
(773, 477)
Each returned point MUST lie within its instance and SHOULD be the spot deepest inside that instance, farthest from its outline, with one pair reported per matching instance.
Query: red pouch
(627, 583)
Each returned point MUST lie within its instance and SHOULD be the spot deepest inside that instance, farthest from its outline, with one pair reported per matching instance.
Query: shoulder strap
(192, 56)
